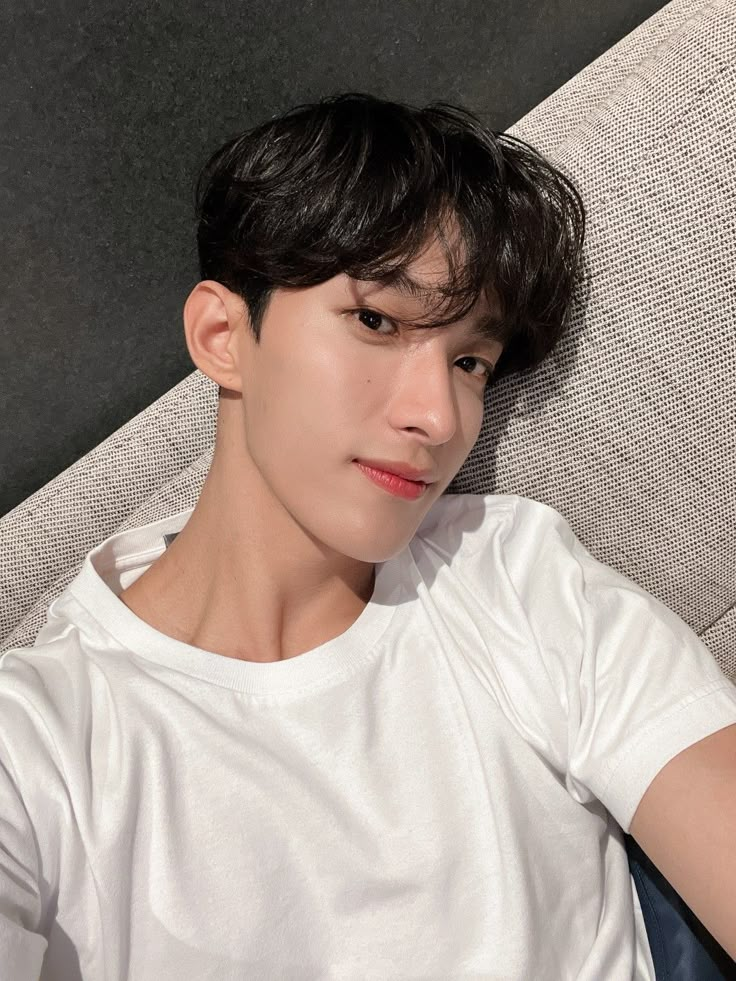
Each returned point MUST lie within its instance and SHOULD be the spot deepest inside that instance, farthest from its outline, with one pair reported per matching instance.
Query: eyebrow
(400, 283)
(482, 329)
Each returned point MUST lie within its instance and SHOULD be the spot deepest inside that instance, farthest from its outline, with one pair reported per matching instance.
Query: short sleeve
(28, 818)
(639, 685)
(22, 946)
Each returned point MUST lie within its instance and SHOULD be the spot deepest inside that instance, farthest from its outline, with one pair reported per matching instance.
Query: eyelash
(489, 367)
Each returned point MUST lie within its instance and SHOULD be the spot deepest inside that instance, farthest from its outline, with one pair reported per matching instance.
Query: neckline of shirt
(101, 578)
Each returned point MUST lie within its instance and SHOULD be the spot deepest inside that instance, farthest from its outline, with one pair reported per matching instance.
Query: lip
(402, 470)
(410, 490)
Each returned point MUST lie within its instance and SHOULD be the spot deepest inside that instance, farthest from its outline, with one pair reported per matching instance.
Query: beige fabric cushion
(629, 430)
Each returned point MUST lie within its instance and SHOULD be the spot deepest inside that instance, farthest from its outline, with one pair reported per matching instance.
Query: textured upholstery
(629, 429)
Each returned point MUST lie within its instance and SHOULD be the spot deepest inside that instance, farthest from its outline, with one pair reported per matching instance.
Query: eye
(487, 366)
(373, 313)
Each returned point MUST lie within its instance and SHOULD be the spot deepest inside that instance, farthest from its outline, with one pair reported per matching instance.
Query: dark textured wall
(107, 112)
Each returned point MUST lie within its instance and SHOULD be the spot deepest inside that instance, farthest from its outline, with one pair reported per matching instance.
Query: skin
(278, 555)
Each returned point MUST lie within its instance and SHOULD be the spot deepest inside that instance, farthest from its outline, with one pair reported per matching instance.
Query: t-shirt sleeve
(22, 947)
(639, 685)
(22, 943)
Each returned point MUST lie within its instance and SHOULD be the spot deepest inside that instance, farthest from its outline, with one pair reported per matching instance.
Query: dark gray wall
(107, 112)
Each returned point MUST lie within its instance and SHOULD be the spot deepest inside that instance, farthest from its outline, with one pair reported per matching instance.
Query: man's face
(334, 380)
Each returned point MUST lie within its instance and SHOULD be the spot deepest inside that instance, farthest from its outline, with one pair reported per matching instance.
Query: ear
(214, 321)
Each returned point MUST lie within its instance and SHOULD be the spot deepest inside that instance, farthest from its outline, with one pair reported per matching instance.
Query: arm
(686, 824)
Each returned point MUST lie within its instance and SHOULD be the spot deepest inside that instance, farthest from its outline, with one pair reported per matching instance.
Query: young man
(329, 722)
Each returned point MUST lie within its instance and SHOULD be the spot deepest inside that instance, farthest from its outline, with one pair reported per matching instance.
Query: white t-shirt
(439, 793)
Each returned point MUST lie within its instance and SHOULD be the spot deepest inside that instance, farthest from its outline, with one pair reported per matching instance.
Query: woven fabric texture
(629, 428)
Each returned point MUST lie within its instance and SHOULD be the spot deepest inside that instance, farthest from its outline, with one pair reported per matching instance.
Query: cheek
(308, 398)
(337, 378)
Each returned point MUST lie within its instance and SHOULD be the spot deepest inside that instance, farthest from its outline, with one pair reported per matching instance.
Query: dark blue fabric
(682, 949)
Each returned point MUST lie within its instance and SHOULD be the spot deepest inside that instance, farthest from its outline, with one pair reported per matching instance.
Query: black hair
(359, 185)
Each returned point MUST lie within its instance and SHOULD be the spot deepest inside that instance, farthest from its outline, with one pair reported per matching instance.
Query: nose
(426, 398)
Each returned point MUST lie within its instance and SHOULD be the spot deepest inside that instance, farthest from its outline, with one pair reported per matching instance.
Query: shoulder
(493, 510)
(508, 524)
(45, 697)
(522, 555)
(514, 553)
